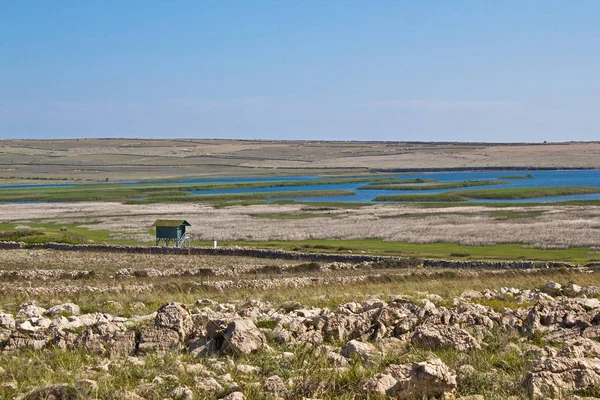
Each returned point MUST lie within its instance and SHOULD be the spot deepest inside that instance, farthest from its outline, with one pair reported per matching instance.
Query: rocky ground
(523, 344)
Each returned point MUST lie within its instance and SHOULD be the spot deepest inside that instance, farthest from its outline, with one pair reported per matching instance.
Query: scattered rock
(365, 351)
(431, 378)
(87, 386)
(553, 288)
(66, 308)
(177, 317)
(7, 321)
(235, 396)
(275, 384)
(159, 340)
(182, 393)
(558, 376)
(53, 392)
(207, 384)
(30, 309)
(242, 337)
(441, 337)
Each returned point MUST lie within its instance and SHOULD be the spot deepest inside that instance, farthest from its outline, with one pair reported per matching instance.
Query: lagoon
(550, 178)
(540, 179)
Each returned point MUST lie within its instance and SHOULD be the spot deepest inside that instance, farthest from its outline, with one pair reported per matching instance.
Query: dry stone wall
(290, 255)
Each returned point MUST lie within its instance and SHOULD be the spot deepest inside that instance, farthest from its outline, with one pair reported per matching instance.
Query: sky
(486, 71)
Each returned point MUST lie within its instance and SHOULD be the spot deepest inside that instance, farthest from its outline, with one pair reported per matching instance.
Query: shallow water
(540, 179)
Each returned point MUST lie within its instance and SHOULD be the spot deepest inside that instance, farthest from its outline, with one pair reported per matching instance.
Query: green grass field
(504, 252)
(74, 234)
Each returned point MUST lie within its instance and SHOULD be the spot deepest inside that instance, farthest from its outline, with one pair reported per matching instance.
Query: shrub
(307, 267)
(269, 269)
(398, 263)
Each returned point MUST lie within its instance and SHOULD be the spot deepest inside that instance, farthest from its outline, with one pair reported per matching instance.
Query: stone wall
(288, 255)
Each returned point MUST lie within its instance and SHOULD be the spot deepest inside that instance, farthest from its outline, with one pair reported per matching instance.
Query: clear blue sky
(339, 69)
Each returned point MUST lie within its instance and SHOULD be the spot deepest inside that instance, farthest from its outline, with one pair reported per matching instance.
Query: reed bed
(539, 226)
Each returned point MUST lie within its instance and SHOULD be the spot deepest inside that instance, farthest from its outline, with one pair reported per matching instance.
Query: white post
(215, 244)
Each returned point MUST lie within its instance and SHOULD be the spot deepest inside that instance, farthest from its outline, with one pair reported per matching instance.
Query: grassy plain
(139, 159)
(437, 226)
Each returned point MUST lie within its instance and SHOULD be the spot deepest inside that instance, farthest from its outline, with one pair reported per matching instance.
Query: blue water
(540, 179)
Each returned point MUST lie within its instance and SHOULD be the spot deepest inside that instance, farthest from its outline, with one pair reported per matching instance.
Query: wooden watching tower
(171, 231)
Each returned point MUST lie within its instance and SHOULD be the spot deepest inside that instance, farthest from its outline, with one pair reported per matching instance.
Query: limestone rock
(564, 313)
(242, 337)
(431, 378)
(382, 384)
(121, 344)
(53, 392)
(275, 384)
(66, 308)
(553, 288)
(207, 384)
(235, 396)
(34, 341)
(7, 321)
(159, 340)
(440, 337)
(132, 396)
(573, 290)
(428, 379)
(556, 377)
(471, 294)
(182, 393)
(30, 309)
(87, 386)
(365, 351)
(177, 317)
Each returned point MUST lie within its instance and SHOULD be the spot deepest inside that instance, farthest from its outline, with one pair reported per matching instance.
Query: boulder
(159, 340)
(66, 308)
(365, 351)
(87, 386)
(242, 337)
(573, 290)
(121, 344)
(339, 326)
(431, 378)
(30, 309)
(556, 377)
(441, 337)
(207, 384)
(382, 384)
(34, 341)
(428, 379)
(553, 288)
(275, 384)
(177, 317)
(7, 321)
(235, 396)
(182, 393)
(565, 313)
(53, 392)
